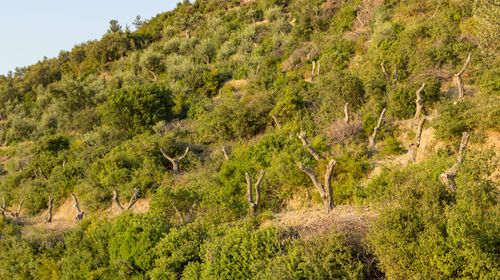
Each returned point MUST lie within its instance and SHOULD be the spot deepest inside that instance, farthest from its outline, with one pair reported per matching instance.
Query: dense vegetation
(252, 76)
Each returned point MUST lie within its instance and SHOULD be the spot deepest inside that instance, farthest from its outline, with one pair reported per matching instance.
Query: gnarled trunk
(174, 161)
(79, 215)
(254, 204)
(448, 177)
(51, 201)
(325, 191)
(458, 78)
(132, 201)
(419, 101)
(373, 137)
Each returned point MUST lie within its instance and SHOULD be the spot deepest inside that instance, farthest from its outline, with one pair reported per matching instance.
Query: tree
(138, 108)
(114, 26)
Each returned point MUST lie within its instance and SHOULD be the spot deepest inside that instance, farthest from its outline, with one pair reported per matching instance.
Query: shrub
(137, 108)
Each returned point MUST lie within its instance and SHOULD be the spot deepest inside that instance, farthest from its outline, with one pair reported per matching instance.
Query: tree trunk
(313, 71)
(416, 145)
(419, 101)
(132, 201)
(326, 191)
(174, 161)
(51, 201)
(224, 151)
(382, 65)
(373, 137)
(458, 79)
(346, 113)
(254, 204)
(79, 215)
(276, 121)
(448, 177)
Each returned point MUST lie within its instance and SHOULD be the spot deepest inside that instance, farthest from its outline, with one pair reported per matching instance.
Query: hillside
(265, 139)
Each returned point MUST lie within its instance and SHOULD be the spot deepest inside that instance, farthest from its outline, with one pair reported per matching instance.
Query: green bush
(137, 108)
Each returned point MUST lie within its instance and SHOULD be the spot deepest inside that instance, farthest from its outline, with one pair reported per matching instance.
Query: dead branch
(254, 204)
(385, 72)
(346, 113)
(313, 71)
(315, 155)
(414, 146)
(174, 161)
(79, 215)
(448, 177)
(51, 201)
(13, 214)
(419, 101)
(458, 78)
(224, 151)
(132, 201)
(42, 173)
(276, 121)
(373, 137)
(325, 191)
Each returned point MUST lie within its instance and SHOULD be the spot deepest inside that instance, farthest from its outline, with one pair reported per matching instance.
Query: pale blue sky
(32, 29)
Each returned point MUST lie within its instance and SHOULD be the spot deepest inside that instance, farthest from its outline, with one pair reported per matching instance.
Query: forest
(260, 139)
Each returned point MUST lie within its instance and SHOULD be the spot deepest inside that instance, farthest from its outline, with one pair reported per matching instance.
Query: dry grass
(351, 221)
(339, 131)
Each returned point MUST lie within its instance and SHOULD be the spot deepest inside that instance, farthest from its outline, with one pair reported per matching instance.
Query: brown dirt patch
(349, 220)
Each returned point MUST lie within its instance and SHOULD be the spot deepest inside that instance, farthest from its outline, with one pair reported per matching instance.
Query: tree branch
(373, 137)
(346, 113)
(51, 201)
(458, 78)
(419, 101)
(315, 155)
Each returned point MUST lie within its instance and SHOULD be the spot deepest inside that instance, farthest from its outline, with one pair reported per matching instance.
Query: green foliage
(137, 108)
(239, 254)
(424, 224)
(320, 258)
(403, 97)
(132, 238)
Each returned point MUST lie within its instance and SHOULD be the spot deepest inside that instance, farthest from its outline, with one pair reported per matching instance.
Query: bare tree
(382, 65)
(346, 113)
(414, 146)
(276, 121)
(315, 155)
(419, 101)
(224, 151)
(174, 161)
(254, 204)
(448, 177)
(373, 137)
(458, 79)
(132, 201)
(325, 191)
(79, 215)
(51, 202)
(13, 214)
